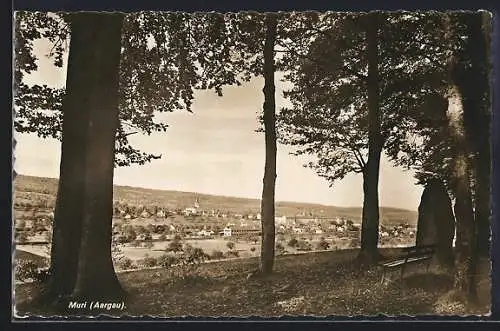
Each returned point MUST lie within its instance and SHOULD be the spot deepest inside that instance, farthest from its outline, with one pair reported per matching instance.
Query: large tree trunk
(101, 34)
(269, 181)
(370, 223)
(66, 227)
(470, 74)
(467, 246)
(475, 87)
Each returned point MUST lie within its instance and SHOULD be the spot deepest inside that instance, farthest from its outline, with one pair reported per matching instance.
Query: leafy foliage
(230, 245)
(175, 245)
(27, 270)
(165, 56)
(329, 117)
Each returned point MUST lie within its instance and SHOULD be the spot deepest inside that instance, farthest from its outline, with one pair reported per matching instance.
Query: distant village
(209, 223)
(195, 222)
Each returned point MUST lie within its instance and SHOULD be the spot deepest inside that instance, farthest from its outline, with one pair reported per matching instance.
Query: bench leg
(383, 278)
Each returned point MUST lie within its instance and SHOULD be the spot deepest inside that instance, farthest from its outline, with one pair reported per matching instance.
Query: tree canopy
(328, 117)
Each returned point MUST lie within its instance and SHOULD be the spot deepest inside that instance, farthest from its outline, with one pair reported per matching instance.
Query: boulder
(436, 222)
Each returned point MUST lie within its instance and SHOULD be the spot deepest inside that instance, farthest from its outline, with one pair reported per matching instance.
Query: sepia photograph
(270, 164)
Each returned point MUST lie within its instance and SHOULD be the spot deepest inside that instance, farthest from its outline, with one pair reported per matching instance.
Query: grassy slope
(26, 185)
(321, 284)
(27, 256)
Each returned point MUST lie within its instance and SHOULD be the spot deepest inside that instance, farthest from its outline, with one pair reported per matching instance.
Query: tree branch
(359, 158)
(129, 134)
(345, 68)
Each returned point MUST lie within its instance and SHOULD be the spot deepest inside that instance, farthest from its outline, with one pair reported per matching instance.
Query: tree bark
(269, 181)
(370, 221)
(100, 35)
(66, 227)
(467, 246)
(470, 74)
(475, 87)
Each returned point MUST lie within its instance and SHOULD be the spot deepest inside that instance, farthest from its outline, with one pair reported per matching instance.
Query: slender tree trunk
(370, 223)
(101, 35)
(269, 181)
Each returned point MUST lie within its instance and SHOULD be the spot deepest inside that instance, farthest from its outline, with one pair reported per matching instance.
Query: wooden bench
(413, 254)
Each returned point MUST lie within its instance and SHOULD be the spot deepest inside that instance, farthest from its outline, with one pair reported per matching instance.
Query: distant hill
(33, 188)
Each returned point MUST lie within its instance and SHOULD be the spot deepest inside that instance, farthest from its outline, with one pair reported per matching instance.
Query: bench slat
(413, 254)
(395, 263)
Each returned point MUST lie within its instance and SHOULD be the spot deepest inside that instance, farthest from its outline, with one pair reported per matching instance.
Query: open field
(245, 248)
(44, 191)
(318, 284)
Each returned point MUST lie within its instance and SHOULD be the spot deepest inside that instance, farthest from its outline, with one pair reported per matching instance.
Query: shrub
(141, 229)
(162, 237)
(27, 270)
(130, 234)
(150, 228)
(189, 263)
(174, 246)
(293, 242)
(194, 255)
(217, 255)
(230, 245)
(167, 260)
(149, 262)
(252, 249)
(323, 244)
(125, 263)
(303, 245)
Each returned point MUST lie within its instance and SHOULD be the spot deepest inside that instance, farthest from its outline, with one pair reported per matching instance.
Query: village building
(227, 232)
(192, 211)
(239, 232)
(205, 233)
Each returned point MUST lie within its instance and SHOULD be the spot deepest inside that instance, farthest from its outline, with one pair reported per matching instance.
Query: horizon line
(227, 196)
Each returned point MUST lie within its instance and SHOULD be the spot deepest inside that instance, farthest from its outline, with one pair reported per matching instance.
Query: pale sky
(215, 150)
